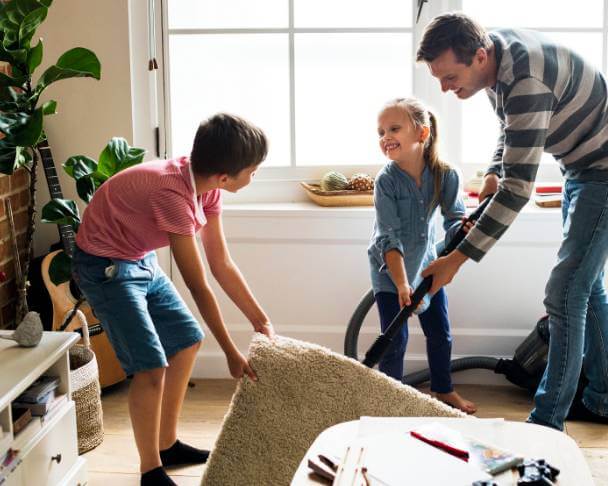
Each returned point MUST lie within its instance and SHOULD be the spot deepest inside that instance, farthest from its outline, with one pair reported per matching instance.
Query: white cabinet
(45, 450)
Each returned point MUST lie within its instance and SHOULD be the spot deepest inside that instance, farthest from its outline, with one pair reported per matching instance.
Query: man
(547, 98)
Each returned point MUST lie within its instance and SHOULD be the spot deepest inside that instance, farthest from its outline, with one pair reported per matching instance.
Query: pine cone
(361, 182)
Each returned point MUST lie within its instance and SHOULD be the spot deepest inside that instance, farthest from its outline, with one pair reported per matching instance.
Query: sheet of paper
(395, 458)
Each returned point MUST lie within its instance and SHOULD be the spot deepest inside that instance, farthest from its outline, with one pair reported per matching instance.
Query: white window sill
(308, 209)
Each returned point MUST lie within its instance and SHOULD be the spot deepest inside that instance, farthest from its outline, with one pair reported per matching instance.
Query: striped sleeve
(173, 212)
(528, 110)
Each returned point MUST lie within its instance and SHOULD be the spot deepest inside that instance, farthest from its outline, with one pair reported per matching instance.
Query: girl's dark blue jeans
(436, 328)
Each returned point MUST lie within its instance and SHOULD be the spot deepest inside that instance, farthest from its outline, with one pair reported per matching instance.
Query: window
(581, 29)
(314, 73)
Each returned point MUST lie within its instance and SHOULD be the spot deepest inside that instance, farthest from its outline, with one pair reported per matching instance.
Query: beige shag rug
(302, 389)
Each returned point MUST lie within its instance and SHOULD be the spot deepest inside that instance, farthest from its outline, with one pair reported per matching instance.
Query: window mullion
(292, 88)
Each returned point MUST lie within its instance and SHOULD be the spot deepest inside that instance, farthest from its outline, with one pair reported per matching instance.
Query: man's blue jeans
(576, 301)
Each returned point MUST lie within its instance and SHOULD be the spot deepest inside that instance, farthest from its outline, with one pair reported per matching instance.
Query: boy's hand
(405, 292)
(267, 330)
(239, 366)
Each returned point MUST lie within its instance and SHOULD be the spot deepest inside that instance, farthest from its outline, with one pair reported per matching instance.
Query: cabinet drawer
(51, 458)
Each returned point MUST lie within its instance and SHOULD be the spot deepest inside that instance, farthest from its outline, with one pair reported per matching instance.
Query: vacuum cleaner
(525, 369)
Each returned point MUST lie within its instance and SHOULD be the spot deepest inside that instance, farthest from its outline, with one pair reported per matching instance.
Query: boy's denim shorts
(139, 308)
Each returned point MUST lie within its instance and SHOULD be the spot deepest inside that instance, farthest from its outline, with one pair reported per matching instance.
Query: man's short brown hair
(453, 31)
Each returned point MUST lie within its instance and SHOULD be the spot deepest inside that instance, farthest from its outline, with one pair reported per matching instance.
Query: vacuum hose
(468, 363)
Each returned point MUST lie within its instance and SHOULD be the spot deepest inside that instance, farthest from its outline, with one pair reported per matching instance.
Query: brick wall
(15, 187)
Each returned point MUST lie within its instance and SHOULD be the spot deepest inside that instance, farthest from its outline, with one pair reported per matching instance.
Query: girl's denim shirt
(405, 222)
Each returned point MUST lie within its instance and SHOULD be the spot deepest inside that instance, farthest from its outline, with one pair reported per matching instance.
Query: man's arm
(527, 115)
(188, 259)
(229, 277)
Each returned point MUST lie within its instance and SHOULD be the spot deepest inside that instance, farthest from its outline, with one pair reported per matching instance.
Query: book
(490, 458)
(21, 417)
(54, 407)
(37, 390)
(548, 188)
(39, 408)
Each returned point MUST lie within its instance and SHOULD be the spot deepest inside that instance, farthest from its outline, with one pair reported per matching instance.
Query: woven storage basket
(86, 392)
(338, 198)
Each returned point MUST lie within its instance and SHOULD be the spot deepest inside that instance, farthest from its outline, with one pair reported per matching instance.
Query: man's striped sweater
(548, 99)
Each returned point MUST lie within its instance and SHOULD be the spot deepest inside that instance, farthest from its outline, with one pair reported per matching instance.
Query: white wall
(308, 268)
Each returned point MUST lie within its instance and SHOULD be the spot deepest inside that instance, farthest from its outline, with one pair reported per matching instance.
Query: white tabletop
(529, 440)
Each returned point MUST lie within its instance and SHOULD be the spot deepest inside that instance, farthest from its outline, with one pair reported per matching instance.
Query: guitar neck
(66, 233)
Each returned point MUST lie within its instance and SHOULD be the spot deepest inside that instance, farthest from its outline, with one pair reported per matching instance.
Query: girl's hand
(405, 292)
(239, 366)
(467, 225)
(267, 330)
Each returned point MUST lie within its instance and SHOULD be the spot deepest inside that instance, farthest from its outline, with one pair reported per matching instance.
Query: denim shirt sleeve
(388, 223)
(452, 204)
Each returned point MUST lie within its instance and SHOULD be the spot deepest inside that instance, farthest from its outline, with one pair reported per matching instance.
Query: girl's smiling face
(399, 140)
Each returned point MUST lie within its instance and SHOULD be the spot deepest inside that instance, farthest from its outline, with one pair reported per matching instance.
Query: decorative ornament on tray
(335, 189)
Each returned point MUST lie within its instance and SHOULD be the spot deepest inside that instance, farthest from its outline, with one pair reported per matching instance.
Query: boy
(155, 336)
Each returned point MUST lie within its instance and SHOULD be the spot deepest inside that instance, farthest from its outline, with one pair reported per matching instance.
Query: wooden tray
(338, 198)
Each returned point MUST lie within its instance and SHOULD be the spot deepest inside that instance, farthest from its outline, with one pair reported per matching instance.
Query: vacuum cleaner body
(530, 358)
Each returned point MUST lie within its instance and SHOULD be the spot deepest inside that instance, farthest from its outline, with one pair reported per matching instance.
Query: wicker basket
(86, 392)
(338, 198)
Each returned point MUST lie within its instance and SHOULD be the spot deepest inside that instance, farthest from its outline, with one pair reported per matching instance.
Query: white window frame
(273, 184)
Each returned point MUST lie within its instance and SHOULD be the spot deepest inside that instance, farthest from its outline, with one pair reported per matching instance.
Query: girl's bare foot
(455, 400)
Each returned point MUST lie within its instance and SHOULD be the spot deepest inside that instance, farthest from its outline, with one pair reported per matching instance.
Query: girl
(407, 192)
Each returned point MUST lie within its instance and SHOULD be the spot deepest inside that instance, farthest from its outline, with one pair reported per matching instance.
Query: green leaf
(34, 57)
(11, 157)
(79, 166)
(61, 211)
(50, 107)
(60, 269)
(21, 128)
(117, 156)
(75, 63)
(86, 187)
(6, 80)
(29, 24)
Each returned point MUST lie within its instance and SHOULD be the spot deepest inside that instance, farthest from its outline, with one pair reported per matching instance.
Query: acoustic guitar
(65, 296)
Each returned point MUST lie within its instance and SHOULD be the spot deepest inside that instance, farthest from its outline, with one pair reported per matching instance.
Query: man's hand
(443, 269)
(267, 330)
(405, 292)
(488, 186)
(239, 366)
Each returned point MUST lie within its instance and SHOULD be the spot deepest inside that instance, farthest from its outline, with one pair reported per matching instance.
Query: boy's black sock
(156, 477)
(180, 453)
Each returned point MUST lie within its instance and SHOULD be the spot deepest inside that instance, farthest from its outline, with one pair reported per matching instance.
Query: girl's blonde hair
(420, 116)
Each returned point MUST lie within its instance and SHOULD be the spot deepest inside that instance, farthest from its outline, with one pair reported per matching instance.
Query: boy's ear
(424, 133)
(222, 179)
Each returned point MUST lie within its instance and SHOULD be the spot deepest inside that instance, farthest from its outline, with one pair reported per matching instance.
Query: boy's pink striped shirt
(131, 213)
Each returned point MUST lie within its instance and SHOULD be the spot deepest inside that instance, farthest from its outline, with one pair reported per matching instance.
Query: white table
(531, 441)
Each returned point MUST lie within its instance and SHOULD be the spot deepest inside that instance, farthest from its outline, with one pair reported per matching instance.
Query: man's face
(455, 76)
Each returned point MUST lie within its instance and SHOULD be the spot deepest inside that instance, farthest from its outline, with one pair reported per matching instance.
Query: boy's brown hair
(454, 31)
(227, 144)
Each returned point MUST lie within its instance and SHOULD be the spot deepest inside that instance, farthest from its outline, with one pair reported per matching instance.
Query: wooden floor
(115, 461)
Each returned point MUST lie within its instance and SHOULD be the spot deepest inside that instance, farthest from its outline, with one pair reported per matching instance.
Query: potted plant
(88, 174)
(21, 113)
